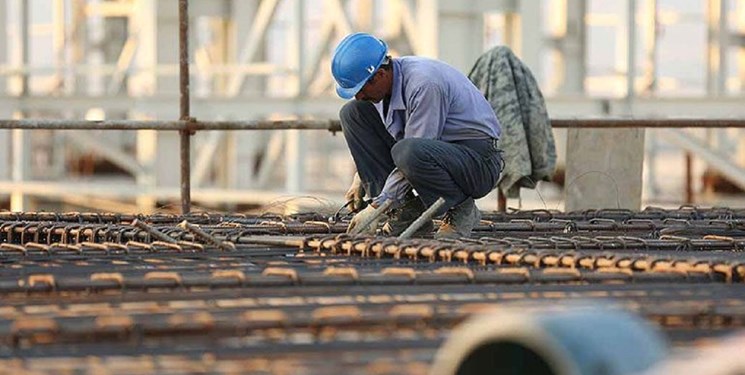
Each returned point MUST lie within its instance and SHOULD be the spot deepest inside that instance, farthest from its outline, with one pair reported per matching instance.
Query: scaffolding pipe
(335, 126)
(169, 125)
(614, 123)
(185, 134)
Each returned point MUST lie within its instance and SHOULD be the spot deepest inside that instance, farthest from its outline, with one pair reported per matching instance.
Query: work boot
(459, 221)
(401, 218)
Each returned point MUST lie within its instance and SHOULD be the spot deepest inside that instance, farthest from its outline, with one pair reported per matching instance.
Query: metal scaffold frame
(214, 73)
(143, 73)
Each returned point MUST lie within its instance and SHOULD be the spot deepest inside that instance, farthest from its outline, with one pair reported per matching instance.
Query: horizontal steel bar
(334, 125)
(648, 123)
(176, 125)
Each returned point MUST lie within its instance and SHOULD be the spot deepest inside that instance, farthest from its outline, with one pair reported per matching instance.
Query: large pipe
(580, 341)
(725, 357)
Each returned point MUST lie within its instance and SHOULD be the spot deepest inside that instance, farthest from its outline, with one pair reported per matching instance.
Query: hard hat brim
(349, 93)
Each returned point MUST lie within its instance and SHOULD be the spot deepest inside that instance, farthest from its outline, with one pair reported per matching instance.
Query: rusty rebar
(153, 232)
(379, 211)
(422, 219)
(198, 232)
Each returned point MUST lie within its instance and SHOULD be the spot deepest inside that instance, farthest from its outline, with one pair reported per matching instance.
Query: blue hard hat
(355, 60)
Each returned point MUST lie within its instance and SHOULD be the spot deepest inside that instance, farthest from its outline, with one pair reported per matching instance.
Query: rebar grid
(264, 285)
(200, 293)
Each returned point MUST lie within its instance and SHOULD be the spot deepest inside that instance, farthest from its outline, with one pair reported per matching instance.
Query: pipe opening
(504, 358)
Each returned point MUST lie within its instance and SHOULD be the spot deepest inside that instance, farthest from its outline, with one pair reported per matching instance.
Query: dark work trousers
(455, 171)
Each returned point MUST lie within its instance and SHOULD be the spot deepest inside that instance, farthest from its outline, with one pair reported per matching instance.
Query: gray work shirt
(430, 99)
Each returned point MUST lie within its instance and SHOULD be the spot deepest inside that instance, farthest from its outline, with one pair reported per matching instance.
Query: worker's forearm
(395, 188)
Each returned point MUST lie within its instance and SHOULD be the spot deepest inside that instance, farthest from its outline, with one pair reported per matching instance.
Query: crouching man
(415, 123)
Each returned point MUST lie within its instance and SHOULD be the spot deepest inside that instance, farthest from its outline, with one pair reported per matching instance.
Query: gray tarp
(527, 140)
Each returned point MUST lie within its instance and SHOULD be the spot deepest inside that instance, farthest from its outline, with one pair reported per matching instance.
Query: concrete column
(4, 113)
(244, 13)
(147, 143)
(295, 140)
(94, 81)
(740, 30)
(531, 36)
(167, 54)
(571, 38)
(573, 49)
(427, 15)
(144, 83)
(167, 160)
(21, 165)
(649, 89)
(717, 36)
(21, 149)
(295, 159)
(60, 24)
(144, 21)
(4, 48)
(246, 156)
(740, 17)
(77, 47)
(460, 33)
(650, 45)
(631, 54)
(604, 168)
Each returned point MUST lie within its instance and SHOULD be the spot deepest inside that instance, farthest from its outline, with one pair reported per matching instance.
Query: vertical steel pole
(689, 177)
(183, 12)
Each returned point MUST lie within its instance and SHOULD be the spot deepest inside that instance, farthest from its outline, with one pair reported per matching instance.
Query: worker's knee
(407, 154)
(351, 112)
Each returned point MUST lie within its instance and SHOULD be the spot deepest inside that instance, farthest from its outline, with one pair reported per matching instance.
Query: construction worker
(415, 123)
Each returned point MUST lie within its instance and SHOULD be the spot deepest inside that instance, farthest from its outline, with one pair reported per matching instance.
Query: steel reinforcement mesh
(89, 293)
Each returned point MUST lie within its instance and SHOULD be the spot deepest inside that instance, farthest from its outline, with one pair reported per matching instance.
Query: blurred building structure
(251, 59)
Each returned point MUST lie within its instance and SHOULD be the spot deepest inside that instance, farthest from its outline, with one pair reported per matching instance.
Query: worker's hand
(362, 217)
(355, 194)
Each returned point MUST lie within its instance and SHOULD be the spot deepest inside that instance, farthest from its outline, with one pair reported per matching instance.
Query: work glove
(355, 194)
(364, 216)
